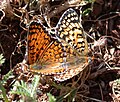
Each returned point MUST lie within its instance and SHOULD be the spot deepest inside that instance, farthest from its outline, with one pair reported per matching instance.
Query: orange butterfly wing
(45, 53)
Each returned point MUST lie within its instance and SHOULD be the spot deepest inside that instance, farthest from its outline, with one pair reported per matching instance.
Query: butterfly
(63, 53)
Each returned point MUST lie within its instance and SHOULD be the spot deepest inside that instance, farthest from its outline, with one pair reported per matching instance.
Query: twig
(64, 6)
(91, 98)
(101, 92)
(98, 19)
(2, 49)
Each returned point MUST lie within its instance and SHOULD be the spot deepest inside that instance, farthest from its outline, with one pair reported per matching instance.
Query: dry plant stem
(112, 38)
(106, 30)
(8, 4)
(100, 50)
(99, 72)
(98, 19)
(2, 49)
(16, 14)
(4, 28)
(89, 36)
(107, 65)
(118, 14)
(24, 18)
(94, 75)
(22, 26)
(101, 92)
(77, 80)
(2, 15)
(96, 100)
(9, 37)
(9, 8)
(111, 25)
(114, 92)
(85, 76)
(63, 7)
(12, 56)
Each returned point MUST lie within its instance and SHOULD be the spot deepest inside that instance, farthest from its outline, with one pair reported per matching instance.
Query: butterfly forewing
(36, 43)
(45, 54)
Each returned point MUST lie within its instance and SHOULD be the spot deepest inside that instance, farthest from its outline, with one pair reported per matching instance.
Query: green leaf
(60, 98)
(7, 77)
(35, 84)
(51, 98)
(2, 59)
(70, 96)
(87, 11)
(26, 90)
(3, 92)
(21, 89)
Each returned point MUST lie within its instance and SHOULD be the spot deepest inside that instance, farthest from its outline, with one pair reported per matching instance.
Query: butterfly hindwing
(70, 30)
